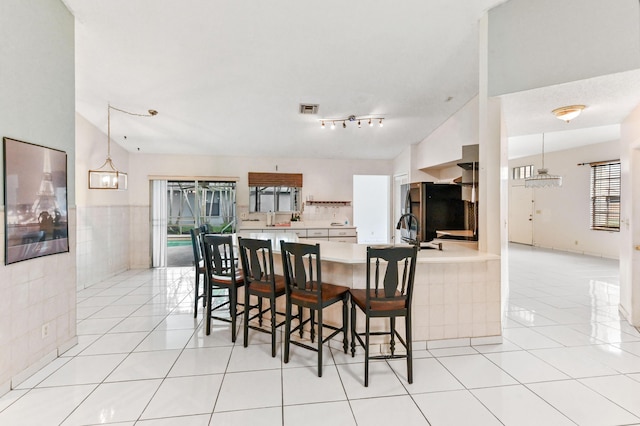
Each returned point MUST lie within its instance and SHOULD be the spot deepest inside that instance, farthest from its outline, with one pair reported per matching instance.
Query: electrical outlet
(45, 330)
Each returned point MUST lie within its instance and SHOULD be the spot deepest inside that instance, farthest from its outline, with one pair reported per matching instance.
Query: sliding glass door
(188, 204)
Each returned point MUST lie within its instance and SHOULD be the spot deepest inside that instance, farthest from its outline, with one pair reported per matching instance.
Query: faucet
(407, 218)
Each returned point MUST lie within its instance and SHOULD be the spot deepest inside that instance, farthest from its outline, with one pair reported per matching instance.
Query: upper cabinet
(275, 192)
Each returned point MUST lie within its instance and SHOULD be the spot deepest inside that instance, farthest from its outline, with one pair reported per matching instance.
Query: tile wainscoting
(35, 294)
(104, 243)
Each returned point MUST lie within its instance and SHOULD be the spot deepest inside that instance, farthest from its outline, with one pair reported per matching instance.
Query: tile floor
(142, 359)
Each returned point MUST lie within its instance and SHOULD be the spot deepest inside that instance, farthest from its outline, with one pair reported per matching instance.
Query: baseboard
(67, 345)
(33, 369)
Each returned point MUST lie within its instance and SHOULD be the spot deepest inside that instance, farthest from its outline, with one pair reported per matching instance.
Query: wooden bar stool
(390, 276)
(301, 266)
(256, 258)
(221, 272)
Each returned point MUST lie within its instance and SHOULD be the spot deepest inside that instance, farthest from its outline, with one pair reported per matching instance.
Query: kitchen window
(276, 192)
(605, 196)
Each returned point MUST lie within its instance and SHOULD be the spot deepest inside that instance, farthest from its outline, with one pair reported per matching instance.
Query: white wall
(444, 145)
(541, 43)
(325, 180)
(630, 218)
(103, 216)
(37, 105)
(561, 216)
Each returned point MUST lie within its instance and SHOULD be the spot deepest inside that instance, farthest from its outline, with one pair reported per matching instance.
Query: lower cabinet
(342, 235)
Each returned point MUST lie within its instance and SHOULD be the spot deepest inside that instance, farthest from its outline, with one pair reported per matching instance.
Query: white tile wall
(103, 243)
(457, 300)
(33, 293)
(140, 256)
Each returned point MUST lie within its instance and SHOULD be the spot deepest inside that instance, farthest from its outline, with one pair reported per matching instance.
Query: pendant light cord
(151, 113)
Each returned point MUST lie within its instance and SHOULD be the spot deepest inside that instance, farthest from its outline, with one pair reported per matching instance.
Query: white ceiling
(227, 77)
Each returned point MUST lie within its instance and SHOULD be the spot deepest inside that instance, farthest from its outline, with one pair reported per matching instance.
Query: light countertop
(351, 253)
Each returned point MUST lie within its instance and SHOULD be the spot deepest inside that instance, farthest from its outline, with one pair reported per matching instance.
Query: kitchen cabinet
(343, 234)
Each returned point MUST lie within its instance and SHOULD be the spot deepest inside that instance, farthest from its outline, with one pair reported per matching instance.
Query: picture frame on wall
(35, 200)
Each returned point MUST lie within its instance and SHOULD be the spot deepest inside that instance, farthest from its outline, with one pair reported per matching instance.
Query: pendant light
(108, 176)
(543, 178)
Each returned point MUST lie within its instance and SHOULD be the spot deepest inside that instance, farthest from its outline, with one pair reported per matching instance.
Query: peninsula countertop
(351, 253)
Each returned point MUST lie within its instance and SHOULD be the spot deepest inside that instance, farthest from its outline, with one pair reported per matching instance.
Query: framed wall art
(35, 200)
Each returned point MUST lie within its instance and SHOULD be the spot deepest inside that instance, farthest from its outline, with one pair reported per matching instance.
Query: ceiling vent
(309, 108)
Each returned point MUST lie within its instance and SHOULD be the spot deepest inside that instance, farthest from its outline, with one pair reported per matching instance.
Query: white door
(521, 208)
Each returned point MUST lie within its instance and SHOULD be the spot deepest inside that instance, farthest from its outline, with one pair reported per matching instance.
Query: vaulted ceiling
(228, 77)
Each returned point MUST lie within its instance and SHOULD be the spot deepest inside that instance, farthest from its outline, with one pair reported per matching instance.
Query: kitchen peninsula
(456, 290)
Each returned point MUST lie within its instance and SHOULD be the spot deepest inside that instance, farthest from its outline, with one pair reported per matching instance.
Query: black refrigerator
(438, 207)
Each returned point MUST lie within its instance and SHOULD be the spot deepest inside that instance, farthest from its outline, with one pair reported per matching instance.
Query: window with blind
(605, 196)
(522, 172)
(277, 192)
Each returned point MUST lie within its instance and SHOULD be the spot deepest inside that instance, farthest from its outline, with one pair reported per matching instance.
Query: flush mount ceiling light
(568, 113)
(543, 178)
(353, 119)
(108, 176)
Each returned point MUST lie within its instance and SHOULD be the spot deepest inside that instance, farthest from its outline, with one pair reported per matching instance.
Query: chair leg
(233, 296)
(345, 322)
(392, 342)
(366, 352)
(260, 311)
(195, 301)
(204, 293)
(245, 325)
(300, 315)
(272, 301)
(319, 341)
(287, 331)
(208, 308)
(409, 347)
(353, 329)
(312, 314)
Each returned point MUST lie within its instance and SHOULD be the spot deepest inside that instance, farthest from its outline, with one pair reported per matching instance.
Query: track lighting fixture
(354, 119)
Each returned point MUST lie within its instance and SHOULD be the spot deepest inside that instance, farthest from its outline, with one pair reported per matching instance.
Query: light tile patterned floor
(567, 358)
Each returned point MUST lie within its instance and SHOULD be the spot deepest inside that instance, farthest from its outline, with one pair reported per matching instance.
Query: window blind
(275, 179)
(605, 196)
